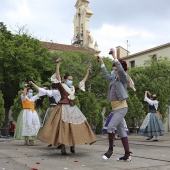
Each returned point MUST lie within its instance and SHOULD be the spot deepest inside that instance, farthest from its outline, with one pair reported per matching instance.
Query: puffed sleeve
(82, 86)
(23, 98)
(56, 95)
(151, 102)
(34, 98)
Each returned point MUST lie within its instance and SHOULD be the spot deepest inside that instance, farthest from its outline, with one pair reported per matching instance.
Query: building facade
(138, 59)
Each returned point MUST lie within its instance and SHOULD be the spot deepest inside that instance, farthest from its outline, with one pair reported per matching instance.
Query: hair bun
(123, 63)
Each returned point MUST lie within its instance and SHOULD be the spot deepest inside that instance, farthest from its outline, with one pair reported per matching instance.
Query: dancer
(54, 98)
(67, 125)
(117, 95)
(28, 122)
(152, 125)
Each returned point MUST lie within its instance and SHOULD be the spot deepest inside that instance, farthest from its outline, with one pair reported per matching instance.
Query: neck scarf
(70, 90)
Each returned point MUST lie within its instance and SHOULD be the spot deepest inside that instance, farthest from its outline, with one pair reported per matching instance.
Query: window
(132, 64)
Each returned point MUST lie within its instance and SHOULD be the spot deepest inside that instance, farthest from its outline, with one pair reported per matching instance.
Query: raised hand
(58, 60)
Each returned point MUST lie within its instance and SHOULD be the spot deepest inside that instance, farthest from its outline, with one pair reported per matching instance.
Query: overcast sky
(144, 23)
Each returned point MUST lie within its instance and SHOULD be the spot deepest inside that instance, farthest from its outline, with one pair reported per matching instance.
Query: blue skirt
(154, 127)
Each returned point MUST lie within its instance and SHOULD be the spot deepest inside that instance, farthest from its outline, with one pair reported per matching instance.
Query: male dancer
(117, 96)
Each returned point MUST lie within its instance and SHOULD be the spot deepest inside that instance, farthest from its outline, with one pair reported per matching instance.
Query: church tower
(82, 36)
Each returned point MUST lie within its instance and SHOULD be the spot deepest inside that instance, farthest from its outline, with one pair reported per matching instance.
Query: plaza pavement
(147, 155)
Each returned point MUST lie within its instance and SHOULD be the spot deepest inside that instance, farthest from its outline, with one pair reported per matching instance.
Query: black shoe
(72, 149)
(126, 157)
(149, 138)
(63, 150)
(49, 145)
(64, 153)
(59, 147)
(155, 140)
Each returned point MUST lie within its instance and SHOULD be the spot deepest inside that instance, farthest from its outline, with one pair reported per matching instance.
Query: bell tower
(82, 36)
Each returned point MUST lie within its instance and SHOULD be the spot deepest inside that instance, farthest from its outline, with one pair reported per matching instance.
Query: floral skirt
(151, 126)
(27, 125)
(56, 131)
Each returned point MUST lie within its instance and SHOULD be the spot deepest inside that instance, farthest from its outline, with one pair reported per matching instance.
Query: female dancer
(152, 125)
(28, 122)
(54, 98)
(67, 125)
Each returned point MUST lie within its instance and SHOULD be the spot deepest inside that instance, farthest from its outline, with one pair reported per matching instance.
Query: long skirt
(47, 115)
(115, 131)
(27, 125)
(57, 131)
(151, 126)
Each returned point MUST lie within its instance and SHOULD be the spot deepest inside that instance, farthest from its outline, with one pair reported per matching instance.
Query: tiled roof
(147, 51)
(61, 47)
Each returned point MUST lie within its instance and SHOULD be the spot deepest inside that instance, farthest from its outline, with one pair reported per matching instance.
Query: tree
(21, 59)
(135, 113)
(153, 77)
(17, 106)
(2, 110)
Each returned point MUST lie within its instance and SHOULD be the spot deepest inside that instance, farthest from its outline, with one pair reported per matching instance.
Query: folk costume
(115, 132)
(54, 98)
(152, 125)
(67, 125)
(28, 122)
(117, 96)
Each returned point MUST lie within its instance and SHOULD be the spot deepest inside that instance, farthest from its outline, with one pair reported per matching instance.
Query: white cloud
(111, 36)
(143, 25)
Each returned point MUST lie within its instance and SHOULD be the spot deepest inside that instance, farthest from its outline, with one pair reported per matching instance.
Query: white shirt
(152, 102)
(50, 93)
(31, 99)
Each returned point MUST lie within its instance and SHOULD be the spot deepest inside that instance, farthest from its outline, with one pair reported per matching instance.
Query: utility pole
(127, 48)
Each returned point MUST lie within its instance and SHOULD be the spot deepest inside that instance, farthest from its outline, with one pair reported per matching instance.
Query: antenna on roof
(127, 48)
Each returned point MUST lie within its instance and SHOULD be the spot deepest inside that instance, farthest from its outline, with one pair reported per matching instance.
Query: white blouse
(152, 102)
(32, 99)
(50, 93)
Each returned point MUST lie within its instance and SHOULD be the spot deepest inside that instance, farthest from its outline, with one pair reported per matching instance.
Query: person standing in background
(11, 128)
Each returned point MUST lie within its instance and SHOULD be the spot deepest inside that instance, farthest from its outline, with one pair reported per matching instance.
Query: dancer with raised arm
(67, 125)
(117, 96)
(152, 126)
(54, 98)
(28, 122)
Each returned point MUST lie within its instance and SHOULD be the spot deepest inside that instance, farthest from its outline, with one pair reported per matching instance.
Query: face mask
(69, 82)
(30, 94)
(112, 74)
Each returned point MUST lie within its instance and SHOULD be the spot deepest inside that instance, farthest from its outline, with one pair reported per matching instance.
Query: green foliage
(22, 59)
(90, 107)
(153, 77)
(135, 113)
(99, 126)
(2, 110)
(17, 107)
(45, 105)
